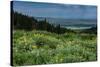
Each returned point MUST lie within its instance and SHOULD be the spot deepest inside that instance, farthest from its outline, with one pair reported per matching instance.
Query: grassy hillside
(42, 47)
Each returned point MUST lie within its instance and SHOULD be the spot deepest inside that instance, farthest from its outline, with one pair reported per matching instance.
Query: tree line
(24, 22)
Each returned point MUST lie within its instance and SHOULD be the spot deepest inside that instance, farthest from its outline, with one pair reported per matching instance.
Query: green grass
(41, 47)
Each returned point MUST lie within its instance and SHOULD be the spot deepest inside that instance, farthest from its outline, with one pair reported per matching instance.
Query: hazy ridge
(71, 23)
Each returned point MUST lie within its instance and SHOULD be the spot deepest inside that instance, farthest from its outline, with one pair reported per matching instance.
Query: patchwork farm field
(42, 47)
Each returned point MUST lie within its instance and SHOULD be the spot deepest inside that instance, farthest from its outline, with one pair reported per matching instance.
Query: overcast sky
(67, 11)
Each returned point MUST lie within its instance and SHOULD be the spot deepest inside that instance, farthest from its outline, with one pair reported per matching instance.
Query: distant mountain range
(86, 23)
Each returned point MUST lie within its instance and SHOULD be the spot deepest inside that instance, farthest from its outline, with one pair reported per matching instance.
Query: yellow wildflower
(34, 46)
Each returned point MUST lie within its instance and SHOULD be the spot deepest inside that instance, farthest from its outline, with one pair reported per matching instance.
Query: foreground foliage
(41, 47)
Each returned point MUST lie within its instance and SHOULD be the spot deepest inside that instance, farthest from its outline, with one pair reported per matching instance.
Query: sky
(66, 11)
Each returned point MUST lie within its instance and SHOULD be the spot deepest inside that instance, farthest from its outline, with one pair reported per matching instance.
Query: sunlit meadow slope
(41, 47)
